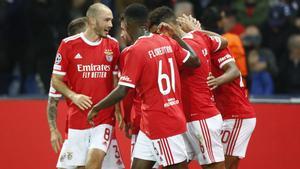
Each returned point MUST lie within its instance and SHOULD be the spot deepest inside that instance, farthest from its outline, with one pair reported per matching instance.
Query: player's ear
(91, 21)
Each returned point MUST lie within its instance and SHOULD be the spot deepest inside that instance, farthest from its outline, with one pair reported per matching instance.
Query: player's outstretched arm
(231, 73)
(55, 136)
(82, 101)
(114, 97)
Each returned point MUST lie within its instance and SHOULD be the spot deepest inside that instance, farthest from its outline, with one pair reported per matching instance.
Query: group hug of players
(181, 95)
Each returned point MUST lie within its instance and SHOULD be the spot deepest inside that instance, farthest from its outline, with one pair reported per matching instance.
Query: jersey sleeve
(213, 41)
(132, 70)
(54, 93)
(222, 57)
(61, 60)
(181, 55)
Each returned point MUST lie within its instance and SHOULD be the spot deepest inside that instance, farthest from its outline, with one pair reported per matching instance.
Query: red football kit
(231, 98)
(88, 68)
(151, 66)
(198, 101)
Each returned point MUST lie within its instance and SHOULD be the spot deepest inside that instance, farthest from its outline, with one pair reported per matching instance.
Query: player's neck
(141, 32)
(91, 35)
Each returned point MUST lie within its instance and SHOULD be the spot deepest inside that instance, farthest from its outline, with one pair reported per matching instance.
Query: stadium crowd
(263, 35)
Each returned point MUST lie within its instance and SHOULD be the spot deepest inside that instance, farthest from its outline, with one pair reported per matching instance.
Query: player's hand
(119, 119)
(212, 82)
(82, 101)
(128, 130)
(188, 23)
(91, 115)
(56, 140)
(166, 29)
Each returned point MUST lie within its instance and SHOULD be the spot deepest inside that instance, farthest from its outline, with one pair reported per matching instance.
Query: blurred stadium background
(265, 39)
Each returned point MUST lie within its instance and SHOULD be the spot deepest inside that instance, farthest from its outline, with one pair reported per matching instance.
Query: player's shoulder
(112, 41)
(223, 54)
(126, 50)
(142, 43)
(71, 39)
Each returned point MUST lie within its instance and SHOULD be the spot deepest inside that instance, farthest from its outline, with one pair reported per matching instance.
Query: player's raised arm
(165, 28)
(188, 23)
(226, 62)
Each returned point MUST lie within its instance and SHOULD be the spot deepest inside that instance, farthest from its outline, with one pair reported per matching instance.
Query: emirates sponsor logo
(93, 71)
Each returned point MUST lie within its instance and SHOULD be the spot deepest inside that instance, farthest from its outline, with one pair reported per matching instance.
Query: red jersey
(88, 67)
(131, 104)
(198, 101)
(231, 98)
(150, 67)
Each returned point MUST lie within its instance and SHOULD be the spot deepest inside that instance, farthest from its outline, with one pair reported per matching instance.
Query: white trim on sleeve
(59, 73)
(226, 61)
(55, 95)
(218, 39)
(127, 84)
(187, 56)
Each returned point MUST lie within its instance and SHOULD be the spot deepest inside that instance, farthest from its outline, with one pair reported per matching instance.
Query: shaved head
(96, 9)
(99, 19)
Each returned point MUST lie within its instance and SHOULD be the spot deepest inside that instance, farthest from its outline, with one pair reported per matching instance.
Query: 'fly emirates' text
(93, 71)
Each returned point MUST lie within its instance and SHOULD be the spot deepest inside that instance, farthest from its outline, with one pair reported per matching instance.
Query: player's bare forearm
(194, 60)
(231, 73)
(59, 85)
(52, 112)
(114, 97)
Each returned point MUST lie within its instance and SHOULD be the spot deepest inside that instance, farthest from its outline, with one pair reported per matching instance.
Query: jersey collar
(96, 43)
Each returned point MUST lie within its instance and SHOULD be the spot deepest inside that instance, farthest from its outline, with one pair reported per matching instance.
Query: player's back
(198, 101)
(156, 78)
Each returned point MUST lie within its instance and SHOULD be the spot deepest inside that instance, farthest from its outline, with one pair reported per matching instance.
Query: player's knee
(94, 159)
(93, 165)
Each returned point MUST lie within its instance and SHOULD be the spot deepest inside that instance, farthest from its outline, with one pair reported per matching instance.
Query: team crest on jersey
(69, 155)
(109, 55)
(58, 58)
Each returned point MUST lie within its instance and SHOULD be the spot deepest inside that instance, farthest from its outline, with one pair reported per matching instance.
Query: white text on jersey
(160, 51)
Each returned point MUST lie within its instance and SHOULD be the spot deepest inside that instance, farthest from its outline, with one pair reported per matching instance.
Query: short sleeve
(61, 60)
(222, 57)
(54, 93)
(133, 68)
(213, 41)
(181, 55)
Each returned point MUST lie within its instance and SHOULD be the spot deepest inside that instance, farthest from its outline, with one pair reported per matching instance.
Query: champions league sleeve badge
(109, 55)
(58, 59)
